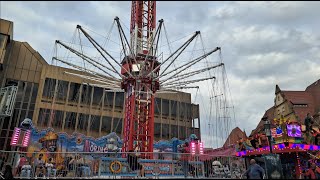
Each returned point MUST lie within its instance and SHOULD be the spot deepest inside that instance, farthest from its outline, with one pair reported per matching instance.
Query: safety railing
(119, 165)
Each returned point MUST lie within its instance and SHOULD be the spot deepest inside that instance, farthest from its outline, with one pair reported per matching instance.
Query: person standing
(51, 168)
(255, 171)
(308, 121)
(2, 160)
(21, 162)
(185, 157)
(134, 164)
(26, 170)
(7, 174)
(39, 165)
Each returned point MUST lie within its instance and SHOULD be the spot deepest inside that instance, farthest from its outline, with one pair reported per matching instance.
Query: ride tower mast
(137, 83)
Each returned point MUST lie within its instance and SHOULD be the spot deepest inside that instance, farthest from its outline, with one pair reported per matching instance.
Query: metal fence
(120, 165)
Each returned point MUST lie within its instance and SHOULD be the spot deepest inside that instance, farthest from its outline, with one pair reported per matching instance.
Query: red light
(20, 137)
(15, 137)
(201, 147)
(26, 138)
(193, 148)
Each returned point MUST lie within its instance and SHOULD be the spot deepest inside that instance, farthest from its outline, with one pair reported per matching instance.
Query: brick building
(294, 105)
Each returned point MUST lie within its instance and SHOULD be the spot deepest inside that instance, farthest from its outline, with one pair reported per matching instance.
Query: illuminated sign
(294, 130)
(196, 147)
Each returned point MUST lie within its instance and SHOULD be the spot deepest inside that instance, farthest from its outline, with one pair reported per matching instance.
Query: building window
(108, 98)
(83, 122)
(44, 115)
(157, 106)
(182, 133)
(174, 131)
(157, 130)
(119, 99)
(34, 95)
(182, 109)
(117, 126)
(165, 131)
(190, 131)
(48, 89)
(300, 105)
(74, 92)
(165, 107)
(95, 123)
(3, 39)
(106, 125)
(62, 90)
(58, 118)
(70, 120)
(189, 109)
(86, 94)
(174, 108)
(97, 96)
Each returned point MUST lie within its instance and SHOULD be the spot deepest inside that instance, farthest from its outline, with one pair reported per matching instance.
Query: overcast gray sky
(263, 43)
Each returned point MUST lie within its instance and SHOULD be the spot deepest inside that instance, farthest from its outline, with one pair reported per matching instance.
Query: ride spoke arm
(188, 82)
(181, 47)
(184, 76)
(95, 44)
(184, 47)
(179, 87)
(108, 88)
(156, 36)
(86, 58)
(187, 64)
(80, 68)
(192, 63)
(123, 38)
(95, 79)
(104, 79)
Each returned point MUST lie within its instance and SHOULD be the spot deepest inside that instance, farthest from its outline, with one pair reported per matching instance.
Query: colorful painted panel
(276, 132)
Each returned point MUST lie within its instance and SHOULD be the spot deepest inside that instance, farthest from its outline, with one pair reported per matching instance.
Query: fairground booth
(293, 145)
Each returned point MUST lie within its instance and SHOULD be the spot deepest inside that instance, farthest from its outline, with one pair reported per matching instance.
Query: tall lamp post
(267, 129)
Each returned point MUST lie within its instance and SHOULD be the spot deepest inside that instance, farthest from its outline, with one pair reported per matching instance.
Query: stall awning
(221, 152)
(279, 148)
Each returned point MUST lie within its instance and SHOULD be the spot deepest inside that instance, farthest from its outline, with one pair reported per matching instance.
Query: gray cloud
(263, 43)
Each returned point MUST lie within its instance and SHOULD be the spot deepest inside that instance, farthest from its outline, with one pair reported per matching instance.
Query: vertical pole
(298, 167)
(172, 167)
(270, 144)
(151, 125)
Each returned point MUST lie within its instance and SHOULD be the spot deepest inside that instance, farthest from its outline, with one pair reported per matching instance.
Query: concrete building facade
(51, 96)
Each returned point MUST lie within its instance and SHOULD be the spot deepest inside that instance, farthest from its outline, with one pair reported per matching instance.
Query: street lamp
(267, 129)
